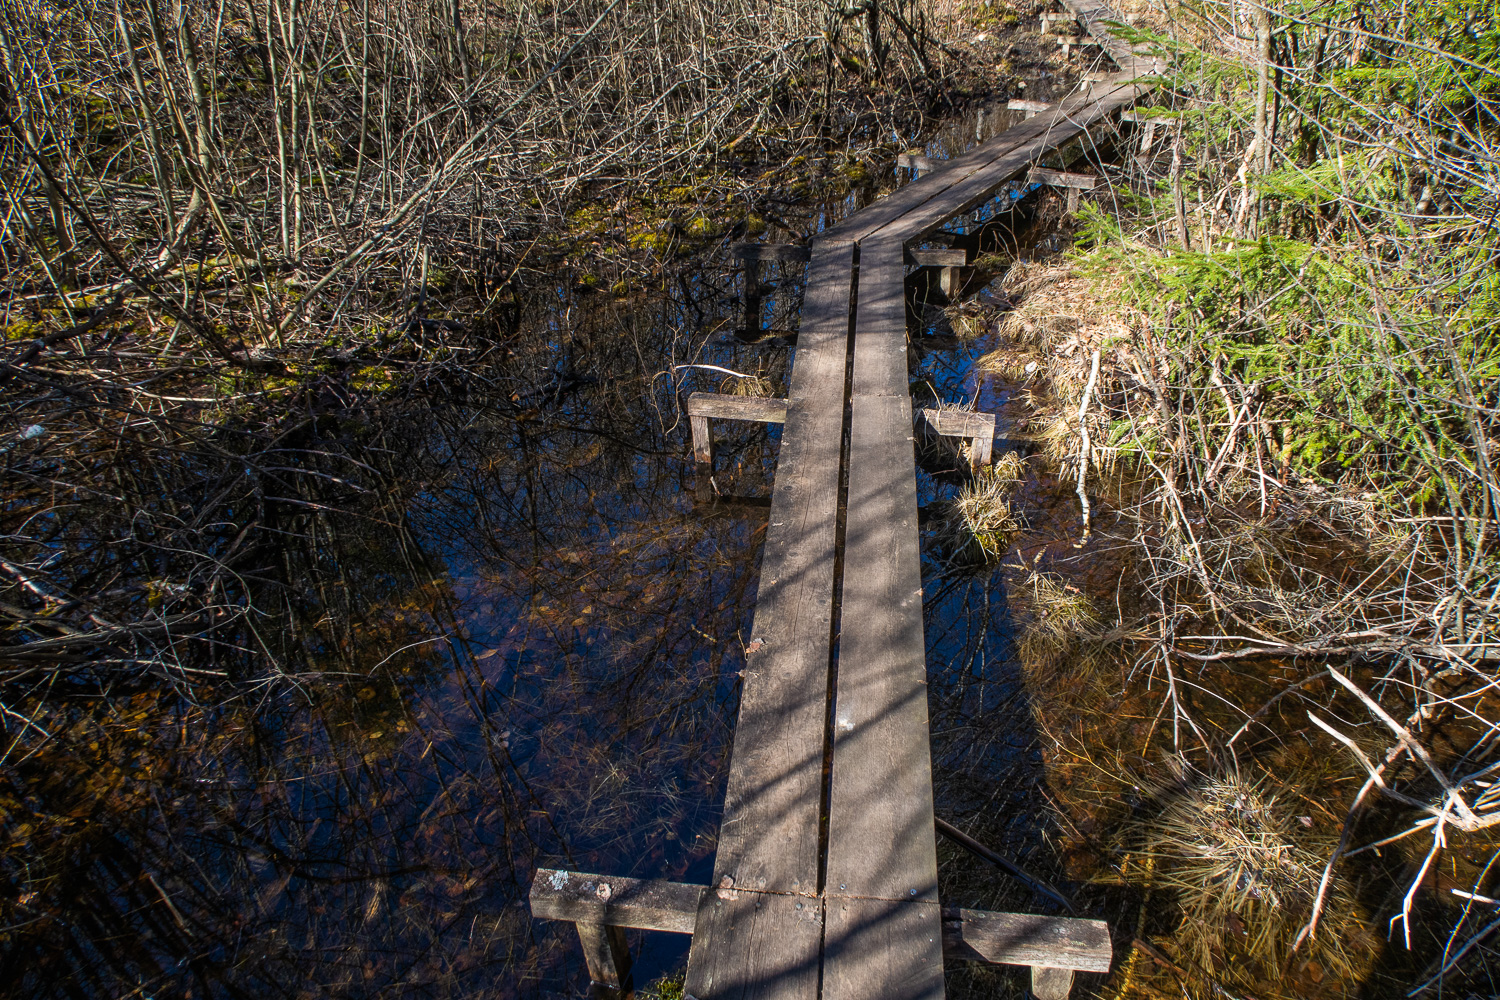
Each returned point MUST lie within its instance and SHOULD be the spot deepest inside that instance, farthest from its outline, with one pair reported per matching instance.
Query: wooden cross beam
(1054, 947)
(1029, 107)
(1072, 183)
(978, 428)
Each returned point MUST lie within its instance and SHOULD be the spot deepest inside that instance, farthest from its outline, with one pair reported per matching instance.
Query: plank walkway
(835, 677)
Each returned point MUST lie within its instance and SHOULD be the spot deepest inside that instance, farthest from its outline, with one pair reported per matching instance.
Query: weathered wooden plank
(772, 251)
(1095, 16)
(724, 406)
(1030, 107)
(1034, 138)
(1051, 17)
(937, 258)
(1036, 135)
(647, 904)
(968, 935)
(1027, 939)
(1060, 178)
(769, 838)
(898, 203)
(880, 322)
(879, 949)
(755, 945)
(881, 840)
(959, 423)
(1140, 118)
(916, 161)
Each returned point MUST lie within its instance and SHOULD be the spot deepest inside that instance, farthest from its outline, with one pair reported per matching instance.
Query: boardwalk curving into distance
(827, 886)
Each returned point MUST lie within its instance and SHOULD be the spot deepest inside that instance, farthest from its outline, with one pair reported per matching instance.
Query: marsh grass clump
(1056, 616)
(668, 987)
(747, 385)
(1245, 871)
(984, 520)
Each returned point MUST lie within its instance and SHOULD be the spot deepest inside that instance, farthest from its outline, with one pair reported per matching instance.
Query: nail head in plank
(881, 840)
(768, 838)
(725, 406)
(755, 946)
(647, 904)
(1028, 939)
(880, 949)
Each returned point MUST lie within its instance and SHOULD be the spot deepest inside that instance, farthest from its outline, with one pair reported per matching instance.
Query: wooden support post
(1148, 139)
(949, 282)
(608, 958)
(981, 449)
(1051, 984)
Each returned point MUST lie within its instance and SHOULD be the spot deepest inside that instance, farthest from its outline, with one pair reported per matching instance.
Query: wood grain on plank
(724, 406)
(880, 823)
(769, 836)
(759, 946)
(880, 323)
(959, 423)
(937, 258)
(1028, 939)
(648, 904)
(878, 949)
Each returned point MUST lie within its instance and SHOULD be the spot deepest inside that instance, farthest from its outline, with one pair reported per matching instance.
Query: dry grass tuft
(747, 385)
(983, 515)
(1055, 616)
(1245, 871)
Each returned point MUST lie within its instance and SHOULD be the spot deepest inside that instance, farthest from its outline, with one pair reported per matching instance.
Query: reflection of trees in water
(490, 632)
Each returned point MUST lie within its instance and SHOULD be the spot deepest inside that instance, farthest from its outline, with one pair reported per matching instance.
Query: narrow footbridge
(825, 881)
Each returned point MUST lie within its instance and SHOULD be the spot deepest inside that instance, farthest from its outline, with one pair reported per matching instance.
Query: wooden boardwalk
(825, 880)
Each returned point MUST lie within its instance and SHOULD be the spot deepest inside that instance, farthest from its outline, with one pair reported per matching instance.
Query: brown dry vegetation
(1278, 333)
(230, 227)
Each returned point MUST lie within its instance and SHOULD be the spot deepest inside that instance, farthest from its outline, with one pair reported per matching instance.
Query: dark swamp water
(518, 645)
